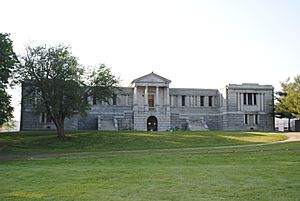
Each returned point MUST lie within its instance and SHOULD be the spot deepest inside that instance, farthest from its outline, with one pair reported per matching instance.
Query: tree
(60, 86)
(281, 110)
(5, 108)
(288, 105)
(8, 60)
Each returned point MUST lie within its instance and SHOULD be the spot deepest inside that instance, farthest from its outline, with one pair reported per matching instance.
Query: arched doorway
(152, 123)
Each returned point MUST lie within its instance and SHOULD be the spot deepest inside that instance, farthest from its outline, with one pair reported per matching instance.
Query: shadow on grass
(82, 141)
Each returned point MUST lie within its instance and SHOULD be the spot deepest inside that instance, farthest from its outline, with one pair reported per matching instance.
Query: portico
(151, 99)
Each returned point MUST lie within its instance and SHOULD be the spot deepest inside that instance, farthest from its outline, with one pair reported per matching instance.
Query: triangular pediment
(151, 78)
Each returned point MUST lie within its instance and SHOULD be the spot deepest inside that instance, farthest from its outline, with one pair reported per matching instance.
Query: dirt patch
(292, 137)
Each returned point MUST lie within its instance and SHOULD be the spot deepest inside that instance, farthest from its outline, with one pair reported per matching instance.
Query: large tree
(288, 100)
(8, 60)
(61, 87)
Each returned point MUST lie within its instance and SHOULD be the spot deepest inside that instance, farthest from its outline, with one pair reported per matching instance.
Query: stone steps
(108, 124)
(195, 127)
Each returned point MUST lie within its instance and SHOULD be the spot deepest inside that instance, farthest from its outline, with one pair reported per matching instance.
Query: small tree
(281, 109)
(5, 108)
(60, 86)
(288, 105)
(8, 60)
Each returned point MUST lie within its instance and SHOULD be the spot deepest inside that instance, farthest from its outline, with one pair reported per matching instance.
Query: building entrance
(152, 123)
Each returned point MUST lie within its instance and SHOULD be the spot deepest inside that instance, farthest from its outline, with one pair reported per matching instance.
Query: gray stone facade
(150, 105)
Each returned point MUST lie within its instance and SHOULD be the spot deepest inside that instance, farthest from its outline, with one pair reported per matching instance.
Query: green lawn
(272, 172)
(82, 141)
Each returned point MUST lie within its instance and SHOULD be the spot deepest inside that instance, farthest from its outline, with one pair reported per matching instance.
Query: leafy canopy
(8, 61)
(59, 86)
(288, 105)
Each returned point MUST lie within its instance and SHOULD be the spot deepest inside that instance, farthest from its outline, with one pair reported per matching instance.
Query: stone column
(238, 101)
(168, 99)
(262, 102)
(258, 101)
(157, 96)
(157, 99)
(242, 101)
(135, 102)
(146, 99)
(135, 96)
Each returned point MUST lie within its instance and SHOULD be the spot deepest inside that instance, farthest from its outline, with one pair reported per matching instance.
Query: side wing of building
(115, 115)
(249, 107)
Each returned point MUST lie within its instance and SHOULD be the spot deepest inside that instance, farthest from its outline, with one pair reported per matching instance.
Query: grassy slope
(156, 175)
(82, 141)
(234, 176)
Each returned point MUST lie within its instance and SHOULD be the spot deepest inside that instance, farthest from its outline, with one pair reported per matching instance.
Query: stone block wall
(251, 100)
(223, 114)
(32, 121)
(90, 122)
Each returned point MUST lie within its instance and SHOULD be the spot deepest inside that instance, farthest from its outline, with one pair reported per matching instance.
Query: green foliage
(58, 85)
(52, 77)
(5, 108)
(288, 105)
(8, 60)
(102, 83)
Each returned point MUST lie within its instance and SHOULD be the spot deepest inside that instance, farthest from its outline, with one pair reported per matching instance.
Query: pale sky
(194, 43)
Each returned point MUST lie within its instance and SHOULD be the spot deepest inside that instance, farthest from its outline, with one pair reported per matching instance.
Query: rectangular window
(249, 98)
(256, 119)
(151, 100)
(201, 100)
(49, 118)
(43, 118)
(251, 119)
(246, 119)
(115, 100)
(182, 100)
(210, 101)
(94, 100)
(46, 118)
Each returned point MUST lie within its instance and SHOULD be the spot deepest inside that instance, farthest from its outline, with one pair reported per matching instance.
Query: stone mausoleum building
(149, 104)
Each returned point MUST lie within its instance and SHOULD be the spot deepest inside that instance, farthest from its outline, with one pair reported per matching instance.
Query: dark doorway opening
(152, 123)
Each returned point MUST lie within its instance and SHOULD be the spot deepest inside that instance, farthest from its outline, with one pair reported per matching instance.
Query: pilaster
(146, 99)
(157, 99)
(135, 102)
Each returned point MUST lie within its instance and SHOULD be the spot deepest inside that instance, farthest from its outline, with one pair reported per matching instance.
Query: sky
(193, 43)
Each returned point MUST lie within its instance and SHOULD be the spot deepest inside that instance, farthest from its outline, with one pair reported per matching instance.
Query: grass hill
(118, 166)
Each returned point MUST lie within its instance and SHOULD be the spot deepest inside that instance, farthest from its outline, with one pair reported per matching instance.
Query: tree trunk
(61, 131)
(59, 123)
(289, 125)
